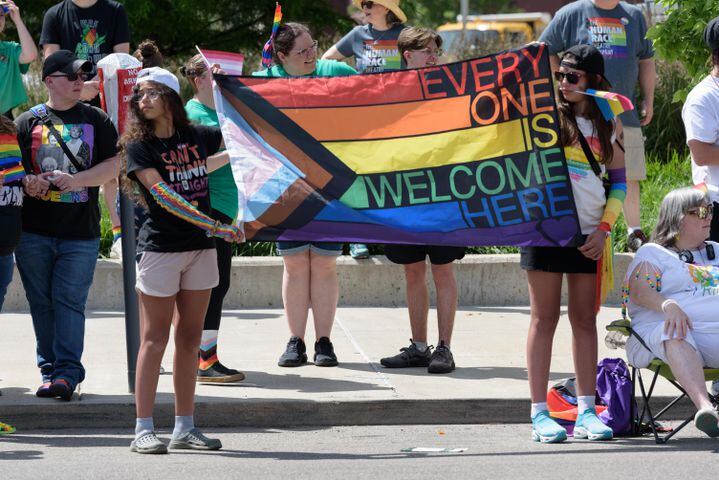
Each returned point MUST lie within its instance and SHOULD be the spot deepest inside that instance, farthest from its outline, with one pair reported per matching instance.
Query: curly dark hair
(284, 40)
(149, 54)
(567, 120)
(140, 129)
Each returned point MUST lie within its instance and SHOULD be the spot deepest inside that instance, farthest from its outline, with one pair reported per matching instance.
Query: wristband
(668, 302)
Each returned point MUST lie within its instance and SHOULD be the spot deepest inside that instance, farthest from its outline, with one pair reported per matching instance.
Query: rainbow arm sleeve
(617, 194)
(173, 202)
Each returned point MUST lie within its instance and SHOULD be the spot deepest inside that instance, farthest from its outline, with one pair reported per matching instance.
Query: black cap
(711, 34)
(64, 61)
(585, 58)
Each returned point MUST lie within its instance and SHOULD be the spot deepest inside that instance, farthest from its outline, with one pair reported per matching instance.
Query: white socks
(585, 402)
(183, 425)
(538, 407)
(143, 426)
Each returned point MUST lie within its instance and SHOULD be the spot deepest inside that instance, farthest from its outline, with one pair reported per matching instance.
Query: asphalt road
(492, 451)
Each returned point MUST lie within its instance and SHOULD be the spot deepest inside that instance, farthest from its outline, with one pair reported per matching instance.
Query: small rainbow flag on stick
(267, 50)
(610, 104)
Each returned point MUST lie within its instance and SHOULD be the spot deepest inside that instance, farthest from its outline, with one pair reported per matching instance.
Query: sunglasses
(701, 212)
(368, 5)
(151, 94)
(572, 77)
(72, 77)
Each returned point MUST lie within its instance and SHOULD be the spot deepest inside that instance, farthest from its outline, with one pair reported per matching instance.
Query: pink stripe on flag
(229, 62)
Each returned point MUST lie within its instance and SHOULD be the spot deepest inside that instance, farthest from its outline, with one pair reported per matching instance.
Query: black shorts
(556, 260)
(438, 255)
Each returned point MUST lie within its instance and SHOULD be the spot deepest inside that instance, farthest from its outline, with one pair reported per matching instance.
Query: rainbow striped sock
(116, 233)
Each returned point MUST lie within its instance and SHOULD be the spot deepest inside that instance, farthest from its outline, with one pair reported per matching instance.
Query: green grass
(663, 175)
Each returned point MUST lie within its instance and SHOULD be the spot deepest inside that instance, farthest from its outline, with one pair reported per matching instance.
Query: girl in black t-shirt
(169, 159)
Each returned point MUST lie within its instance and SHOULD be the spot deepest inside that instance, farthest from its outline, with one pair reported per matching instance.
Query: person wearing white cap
(169, 160)
(374, 48)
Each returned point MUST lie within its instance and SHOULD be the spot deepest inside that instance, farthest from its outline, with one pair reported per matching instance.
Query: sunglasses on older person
(572, 77)
(72, 77)
(368, 5)
(701, 212)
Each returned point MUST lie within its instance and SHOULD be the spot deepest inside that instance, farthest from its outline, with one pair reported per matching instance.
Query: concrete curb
(488, 280)
(292, 413)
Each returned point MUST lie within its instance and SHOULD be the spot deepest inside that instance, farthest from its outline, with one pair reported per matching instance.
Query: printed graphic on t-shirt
(705, 278)
(11, 195)
(379, 56)
(47, 156)
(577, 164)
(186, 171)
(88, 48)
(609, 36)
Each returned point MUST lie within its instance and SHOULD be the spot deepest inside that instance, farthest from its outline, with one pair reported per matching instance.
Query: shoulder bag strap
(40, 112)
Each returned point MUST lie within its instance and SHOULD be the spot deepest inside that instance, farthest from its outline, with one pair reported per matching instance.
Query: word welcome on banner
(466, 153)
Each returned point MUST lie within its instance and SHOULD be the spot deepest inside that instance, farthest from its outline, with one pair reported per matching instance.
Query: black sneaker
(61, 388)
(295, 353)
(635, 240)
(325, 353)
(408, 357)
(442, 360)
(218, 373)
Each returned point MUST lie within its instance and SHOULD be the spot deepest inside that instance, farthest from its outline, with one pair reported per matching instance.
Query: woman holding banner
(168, 159)
(223, 200)
(591, 150)
(310, 277)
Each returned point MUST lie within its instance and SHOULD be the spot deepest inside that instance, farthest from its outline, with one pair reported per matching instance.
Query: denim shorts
(320, 248)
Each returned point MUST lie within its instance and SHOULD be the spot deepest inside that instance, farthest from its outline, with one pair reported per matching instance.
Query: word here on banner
(466, 153)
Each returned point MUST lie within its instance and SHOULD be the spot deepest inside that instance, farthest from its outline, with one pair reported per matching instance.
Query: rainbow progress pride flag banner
(460, 154)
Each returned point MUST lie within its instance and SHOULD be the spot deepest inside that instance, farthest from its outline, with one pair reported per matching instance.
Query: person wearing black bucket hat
(60, 237)
(701, 123)
(618, 30)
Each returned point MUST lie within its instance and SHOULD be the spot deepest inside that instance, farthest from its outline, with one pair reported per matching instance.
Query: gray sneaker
(148, 443)
(408, 357)
(442, 360)
(195, 440)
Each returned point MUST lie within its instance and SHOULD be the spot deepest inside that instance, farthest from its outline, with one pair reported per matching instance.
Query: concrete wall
(491, 280)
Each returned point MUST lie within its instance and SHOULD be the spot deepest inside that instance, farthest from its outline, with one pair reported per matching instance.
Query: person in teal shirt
(15, 59)
(310, 276)
(223, 200)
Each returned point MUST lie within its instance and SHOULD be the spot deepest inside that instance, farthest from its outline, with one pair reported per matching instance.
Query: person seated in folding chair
(673, 297)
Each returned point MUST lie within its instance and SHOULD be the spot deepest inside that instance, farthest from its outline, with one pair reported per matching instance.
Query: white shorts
(163, 274)
(706, 343)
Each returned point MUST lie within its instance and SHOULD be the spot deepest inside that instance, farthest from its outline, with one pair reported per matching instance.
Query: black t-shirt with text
(181, 161)
(91, 137)
(91, 33)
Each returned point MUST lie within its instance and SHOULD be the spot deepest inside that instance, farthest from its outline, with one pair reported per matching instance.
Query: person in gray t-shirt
(374, 48)
(374, 45)
(618, 30)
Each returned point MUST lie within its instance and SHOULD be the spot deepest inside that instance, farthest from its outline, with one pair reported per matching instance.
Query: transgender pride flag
(228, 61)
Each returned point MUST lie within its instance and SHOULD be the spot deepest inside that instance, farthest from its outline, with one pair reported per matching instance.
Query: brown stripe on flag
(315, 174)
(281, 208)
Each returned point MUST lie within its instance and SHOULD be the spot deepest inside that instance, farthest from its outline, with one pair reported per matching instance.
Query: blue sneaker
(359, 251)
(546, 430)
(590, 427)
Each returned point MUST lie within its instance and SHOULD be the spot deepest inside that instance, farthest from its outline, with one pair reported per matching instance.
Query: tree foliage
(432, 13)
(234, 25)
(679, 37)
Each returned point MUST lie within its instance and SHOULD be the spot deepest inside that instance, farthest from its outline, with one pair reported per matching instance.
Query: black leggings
(224, 266)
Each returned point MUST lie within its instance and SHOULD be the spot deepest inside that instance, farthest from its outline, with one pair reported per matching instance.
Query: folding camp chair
(623, 327)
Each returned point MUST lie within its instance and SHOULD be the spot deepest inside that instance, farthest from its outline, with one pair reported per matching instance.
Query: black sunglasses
(367, 4)
(72, 77)
(572, 77)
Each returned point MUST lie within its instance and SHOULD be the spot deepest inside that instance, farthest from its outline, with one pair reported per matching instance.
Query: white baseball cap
(159, 75)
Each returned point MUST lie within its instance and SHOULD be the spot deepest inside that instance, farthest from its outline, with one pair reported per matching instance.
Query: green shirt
(12, 91)
(223, 189)
(324, 68)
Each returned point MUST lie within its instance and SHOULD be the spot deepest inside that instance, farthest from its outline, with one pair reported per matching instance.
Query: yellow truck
(491, 33)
